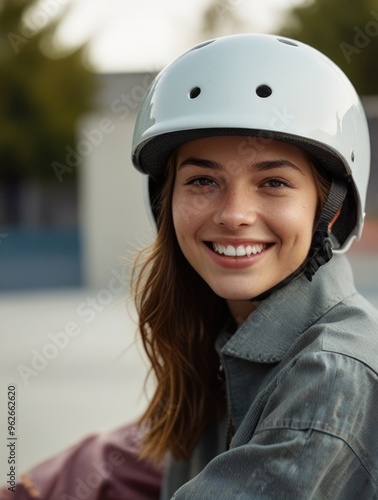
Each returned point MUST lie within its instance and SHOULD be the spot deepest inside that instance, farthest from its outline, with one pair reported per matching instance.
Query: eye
(275, 183)
(202, 182)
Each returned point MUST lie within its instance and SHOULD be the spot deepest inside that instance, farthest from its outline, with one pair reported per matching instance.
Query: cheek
(188, 210)
(310, 209)
(294, 223)
(183, 219)
(180, 214)
(184, 228)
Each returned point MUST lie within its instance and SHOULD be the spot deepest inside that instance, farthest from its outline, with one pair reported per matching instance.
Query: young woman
(257, 154)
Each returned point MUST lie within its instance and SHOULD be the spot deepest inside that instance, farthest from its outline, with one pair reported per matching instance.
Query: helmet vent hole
(352, 155)
(288, 42)
(195, 92)
(263, 91)
(201, 45)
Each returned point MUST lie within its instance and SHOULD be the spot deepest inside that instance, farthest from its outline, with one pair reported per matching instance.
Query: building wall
(39, 236)
(113, 218)
(370, 104)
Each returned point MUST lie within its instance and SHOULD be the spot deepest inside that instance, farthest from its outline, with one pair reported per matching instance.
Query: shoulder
(329, 379)
(351, 329)
(328, 393)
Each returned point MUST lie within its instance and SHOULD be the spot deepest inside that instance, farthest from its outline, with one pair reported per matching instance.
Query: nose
(236, 208)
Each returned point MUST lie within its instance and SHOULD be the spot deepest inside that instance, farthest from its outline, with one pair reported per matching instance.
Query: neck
(241, 309)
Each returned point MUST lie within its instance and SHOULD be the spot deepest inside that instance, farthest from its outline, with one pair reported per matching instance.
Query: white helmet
(265, 86)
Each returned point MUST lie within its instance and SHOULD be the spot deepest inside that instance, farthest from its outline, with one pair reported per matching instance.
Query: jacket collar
(270, 330)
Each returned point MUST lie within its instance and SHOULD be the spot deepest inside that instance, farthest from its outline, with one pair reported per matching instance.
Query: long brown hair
(179, 319)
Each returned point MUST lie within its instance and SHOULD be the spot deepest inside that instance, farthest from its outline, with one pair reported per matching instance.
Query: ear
(334, 219)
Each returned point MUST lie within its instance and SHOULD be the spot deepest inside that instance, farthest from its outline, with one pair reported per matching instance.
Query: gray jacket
(302, 385)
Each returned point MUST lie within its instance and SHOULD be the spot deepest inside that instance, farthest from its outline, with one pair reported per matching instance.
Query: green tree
(221, 17)
(42, 96)
(346, 31)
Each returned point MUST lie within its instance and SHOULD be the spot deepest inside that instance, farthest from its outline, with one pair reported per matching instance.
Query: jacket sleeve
(316, 438)
(101, 467)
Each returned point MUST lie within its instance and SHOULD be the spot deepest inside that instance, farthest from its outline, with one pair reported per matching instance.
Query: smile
(239, 250)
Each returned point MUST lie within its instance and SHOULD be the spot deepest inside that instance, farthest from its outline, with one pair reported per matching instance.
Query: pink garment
(101, 467)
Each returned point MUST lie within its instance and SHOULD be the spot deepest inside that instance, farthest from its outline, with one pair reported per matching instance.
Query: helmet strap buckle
(321, 254)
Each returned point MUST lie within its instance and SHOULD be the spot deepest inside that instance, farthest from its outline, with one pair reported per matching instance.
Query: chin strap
(321, 246)
(321, 251)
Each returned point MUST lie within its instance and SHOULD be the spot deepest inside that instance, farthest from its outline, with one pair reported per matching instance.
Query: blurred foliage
(42, 96)
(221, 17)
(346, 31)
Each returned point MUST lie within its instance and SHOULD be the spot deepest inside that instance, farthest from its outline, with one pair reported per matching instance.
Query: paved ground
(75, 372)
(77, 368)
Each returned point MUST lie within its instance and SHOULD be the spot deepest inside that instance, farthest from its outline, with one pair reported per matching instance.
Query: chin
(237, 295)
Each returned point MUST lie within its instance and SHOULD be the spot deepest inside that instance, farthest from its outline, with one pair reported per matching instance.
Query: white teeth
(230, 251)
(239, 251)
(219, 248)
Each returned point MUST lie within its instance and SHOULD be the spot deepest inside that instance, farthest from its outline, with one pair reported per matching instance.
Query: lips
(241, 250)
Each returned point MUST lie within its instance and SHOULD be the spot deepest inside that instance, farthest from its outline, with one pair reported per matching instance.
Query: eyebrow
(259, 166)
(199, 162)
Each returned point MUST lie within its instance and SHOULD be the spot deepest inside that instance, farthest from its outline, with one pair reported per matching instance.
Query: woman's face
(243, 211)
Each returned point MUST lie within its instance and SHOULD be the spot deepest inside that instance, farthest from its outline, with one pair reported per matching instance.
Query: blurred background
(72, 75)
